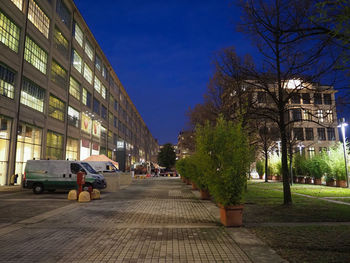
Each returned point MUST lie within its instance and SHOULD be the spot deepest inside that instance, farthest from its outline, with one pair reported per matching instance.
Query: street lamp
(342, 125)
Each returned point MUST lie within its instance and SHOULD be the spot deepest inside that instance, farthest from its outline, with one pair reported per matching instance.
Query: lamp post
(342, 125)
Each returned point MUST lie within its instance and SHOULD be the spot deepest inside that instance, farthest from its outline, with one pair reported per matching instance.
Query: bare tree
(295, 58)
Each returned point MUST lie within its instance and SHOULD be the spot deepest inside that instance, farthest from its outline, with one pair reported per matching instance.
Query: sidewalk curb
(251, 245)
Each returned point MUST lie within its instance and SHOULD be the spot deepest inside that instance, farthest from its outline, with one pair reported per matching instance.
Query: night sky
(162, 52)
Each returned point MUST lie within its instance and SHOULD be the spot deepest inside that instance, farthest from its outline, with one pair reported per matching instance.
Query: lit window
(103, 92)
(97, 85)
(77, 61)
(63, 12)
(7, 82)
(18, 3)
(54, 145)
(73, 116)
(32, 95)
(86, 98)
(311, 151)
(320, 115)
(329, 116)
(307, 115)
(38, 18)
(78, 34)
(61, 43)
(89, 50)
(35, 55)
(74, 88)
(87, 73)
(104, 72)
(56, 108)
(58, 74)
(9, 33)
(72, 149)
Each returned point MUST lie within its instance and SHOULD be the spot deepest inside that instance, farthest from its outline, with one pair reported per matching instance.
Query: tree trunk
(286, 186)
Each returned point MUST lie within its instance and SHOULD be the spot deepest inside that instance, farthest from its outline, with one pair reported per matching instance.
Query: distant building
(311, 110)
(185, 144)
(59, 96)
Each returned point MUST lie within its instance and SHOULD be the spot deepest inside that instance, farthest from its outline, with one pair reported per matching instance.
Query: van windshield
(89, 168)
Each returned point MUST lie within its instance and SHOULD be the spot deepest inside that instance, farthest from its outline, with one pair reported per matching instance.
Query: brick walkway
(153, 220)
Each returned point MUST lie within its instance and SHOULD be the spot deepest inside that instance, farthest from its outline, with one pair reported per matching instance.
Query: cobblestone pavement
(153, 220)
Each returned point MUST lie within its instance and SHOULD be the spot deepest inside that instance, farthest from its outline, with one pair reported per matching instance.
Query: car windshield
(89, 168)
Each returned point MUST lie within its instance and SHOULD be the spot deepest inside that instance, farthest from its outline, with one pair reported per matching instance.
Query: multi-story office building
(185, 144)
(59, 96)
(311, 112)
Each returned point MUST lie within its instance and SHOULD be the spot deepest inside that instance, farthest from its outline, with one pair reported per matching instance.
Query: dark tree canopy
(167, 156)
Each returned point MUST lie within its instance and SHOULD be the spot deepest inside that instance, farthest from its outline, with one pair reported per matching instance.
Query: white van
(50, 175)
(103, 167)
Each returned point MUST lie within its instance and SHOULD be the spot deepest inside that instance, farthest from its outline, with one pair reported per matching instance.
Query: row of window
(308, 135)
(307, 115)
(296, 98)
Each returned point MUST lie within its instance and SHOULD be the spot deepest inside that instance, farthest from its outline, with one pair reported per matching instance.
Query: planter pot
(301, 180)
(274, 178)
(261, 176)
(330, 183)
(205, 195)
(231, 215)
(317, 181)
(341, 183)
(295, 179)
(269, 177)
(188, 181)
(308, 180)
(194, 186)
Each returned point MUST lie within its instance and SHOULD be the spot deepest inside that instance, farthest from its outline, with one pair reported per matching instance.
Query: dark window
(88, 99)
(331, 134)
(115, 139)
(7, 81)
(98, 63)
(75, 168)
(63, 12)
(309, 134)
(327, 98)
(261, 97)
(115, 121)
(296, 114)
(96, 106)
(115, 105)
(295, 98)
(298, 134)
(306, 98)
(104, 112)
(318, 98)
(321, 134)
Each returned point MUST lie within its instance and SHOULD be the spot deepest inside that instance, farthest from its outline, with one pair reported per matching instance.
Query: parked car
(103, 167)
(50, 175)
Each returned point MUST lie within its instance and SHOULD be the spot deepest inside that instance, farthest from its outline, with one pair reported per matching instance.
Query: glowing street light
(342, 125)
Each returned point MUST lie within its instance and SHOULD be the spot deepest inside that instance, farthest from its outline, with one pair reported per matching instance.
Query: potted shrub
(330, 180)
(229, 157)
(317, 166)
(337, 165)
(260, 168)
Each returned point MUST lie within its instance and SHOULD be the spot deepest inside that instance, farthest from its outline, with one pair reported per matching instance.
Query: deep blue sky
(162, 52)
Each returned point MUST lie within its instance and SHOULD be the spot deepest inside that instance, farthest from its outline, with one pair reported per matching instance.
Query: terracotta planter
(301, 180)
(317, 181)
(261, 176)
(269, 177)
(188, 181)
(308, 180)
(231, 215)
(330, 183)
(341, 183)
(205, 195)
(194, 186)
(274, 178)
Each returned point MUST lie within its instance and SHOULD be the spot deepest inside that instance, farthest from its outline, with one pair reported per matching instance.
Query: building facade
(59, 96)
(310, 112)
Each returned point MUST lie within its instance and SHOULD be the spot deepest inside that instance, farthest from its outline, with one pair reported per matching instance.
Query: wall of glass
(54, 145)
(5, 131)
(29, 140)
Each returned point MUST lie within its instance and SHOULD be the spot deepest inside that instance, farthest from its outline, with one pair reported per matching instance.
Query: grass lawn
(308, 243)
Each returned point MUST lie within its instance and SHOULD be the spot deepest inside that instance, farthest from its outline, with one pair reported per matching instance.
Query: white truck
(50, 175)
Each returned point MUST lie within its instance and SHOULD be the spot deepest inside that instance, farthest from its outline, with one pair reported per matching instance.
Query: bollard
(73, 195)
(84, 197)
(95, 194)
